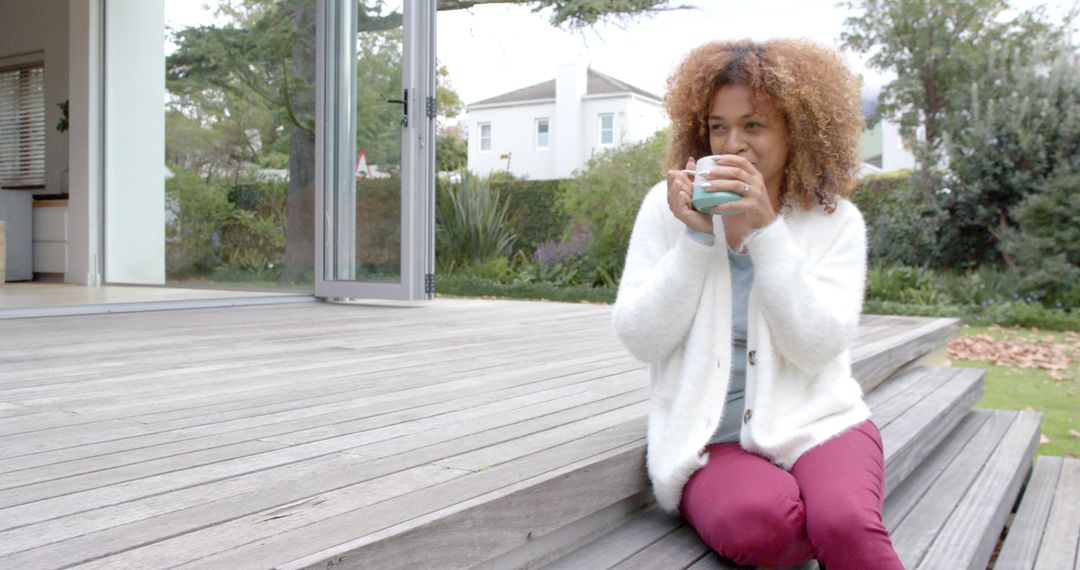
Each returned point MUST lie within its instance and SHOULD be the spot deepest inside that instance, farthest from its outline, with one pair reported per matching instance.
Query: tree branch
(575, 14)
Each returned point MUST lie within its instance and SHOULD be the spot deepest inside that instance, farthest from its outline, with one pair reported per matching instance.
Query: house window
(607, 129)
(485, 137)
(22, 126)
(542, 130)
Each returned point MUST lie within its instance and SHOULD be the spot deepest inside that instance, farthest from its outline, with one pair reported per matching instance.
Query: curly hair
(807, 82)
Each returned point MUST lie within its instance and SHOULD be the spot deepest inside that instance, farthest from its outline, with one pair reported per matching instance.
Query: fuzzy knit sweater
(673, 311)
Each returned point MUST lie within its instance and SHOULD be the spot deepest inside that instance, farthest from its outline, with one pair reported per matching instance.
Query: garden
(985, 228)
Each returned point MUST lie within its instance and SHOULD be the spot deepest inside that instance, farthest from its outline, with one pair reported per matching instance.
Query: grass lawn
(1017, 388)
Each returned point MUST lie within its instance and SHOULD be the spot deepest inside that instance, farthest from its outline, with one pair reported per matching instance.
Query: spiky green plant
(472, 223)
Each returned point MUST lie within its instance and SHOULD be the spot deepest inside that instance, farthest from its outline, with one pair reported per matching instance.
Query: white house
(550, 129)
(883, 148)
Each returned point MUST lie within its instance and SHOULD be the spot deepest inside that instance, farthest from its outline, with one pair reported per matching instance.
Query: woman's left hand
(736, 174)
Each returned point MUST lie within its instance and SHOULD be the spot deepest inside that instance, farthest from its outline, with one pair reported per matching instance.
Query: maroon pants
(827, 507)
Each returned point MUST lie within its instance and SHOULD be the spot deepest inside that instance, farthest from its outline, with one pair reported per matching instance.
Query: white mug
(703, 200)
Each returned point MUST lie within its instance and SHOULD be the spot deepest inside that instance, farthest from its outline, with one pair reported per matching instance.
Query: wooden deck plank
(402, 388)
(1061, 541)
(969, 536)
(899, 350)
(331, 522)
(375, 412)
(423, 435)
(614, 547)
(913, 409)
(914, 533)
(205, 417)
(1022, 543)
(241, 494)
(915, 434)
(182, 378)
(679, 549)
(354, 385)
(181, 345)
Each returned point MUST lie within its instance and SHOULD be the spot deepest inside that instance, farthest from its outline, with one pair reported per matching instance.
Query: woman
(757, 432)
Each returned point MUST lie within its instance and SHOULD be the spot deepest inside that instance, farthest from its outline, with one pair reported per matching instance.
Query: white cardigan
(673, 311)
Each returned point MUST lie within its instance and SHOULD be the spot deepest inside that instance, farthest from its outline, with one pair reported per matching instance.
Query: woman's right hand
(680, 191)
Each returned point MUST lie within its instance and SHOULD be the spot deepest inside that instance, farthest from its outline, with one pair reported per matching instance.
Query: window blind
(22, 126)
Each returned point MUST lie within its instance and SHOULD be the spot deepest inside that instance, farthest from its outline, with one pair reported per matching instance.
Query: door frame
(335, 152)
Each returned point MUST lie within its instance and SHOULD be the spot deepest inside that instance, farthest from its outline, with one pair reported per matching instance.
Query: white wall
(893, 154)
(646, 117)
(571, 83)
(135, 141)
(574, 128)
(591, 109)
(84, 259)
(28, 26)
(513, 131)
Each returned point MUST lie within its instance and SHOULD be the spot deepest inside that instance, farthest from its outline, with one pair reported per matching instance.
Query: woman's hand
(680, 191)
(736, 174)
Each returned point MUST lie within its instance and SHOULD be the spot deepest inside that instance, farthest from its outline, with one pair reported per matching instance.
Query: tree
(267, 55)
(606, 194)
(1017, 135)
(936, 48)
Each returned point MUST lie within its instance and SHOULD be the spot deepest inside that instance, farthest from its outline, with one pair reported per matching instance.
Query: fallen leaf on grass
(1074, 433)
(1018, 353)
(1043, 440)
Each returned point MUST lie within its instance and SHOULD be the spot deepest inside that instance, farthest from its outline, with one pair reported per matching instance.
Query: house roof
(597, 84)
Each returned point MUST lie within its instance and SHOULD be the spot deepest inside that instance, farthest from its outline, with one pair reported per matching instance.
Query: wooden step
(950, 511)
(1046, 530)
(502, 431)
(544, 513)
(889, 344)
(914, 412)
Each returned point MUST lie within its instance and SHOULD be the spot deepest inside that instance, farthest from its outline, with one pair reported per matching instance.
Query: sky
(489, 50)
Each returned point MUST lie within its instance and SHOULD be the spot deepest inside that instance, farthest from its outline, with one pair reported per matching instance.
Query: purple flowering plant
(555, 252)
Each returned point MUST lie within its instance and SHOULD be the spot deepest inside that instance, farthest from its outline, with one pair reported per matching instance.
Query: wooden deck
(254, 437)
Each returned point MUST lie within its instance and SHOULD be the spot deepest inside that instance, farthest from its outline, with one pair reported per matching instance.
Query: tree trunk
(300, 201)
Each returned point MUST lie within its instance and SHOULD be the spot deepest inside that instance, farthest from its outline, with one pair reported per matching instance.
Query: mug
(702, 199)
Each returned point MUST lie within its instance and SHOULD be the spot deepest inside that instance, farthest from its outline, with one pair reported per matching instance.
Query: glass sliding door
(375, 149)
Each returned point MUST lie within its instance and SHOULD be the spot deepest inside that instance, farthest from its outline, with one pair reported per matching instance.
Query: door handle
(404, 101)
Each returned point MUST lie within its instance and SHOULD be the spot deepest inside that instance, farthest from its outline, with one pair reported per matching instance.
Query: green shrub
(1008, 314)
(1020, 126)
(1045, 245)
(535, 210)
(982, 297)
(472, 224)
(1024, 314)
(472, 286)
(253, 239)
(197, 211)
(493, 269)
(606, 194)
(901, 224)
(378, 228)
(254, 243)
(900, 284)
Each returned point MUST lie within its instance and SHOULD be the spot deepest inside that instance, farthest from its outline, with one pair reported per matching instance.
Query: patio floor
(255, 436)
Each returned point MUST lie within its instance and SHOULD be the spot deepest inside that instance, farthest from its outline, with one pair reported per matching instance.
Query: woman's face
(755, 132)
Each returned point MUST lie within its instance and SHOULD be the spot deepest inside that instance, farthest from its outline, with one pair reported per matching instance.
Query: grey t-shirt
(742, 278)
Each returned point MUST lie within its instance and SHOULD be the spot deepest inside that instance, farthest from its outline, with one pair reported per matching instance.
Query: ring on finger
(745, 188)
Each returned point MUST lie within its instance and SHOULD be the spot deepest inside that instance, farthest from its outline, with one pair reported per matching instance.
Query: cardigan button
(746, 415)
(751, 357)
